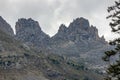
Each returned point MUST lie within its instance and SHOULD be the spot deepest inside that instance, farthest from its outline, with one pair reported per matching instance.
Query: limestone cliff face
(29, 31)
(5, 27)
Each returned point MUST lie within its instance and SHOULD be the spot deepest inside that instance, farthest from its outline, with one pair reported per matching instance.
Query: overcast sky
(51, 13)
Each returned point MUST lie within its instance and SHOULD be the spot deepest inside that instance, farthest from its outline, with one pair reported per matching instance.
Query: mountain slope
(19, 62)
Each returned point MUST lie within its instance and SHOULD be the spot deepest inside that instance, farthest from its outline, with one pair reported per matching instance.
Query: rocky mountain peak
(103, 37)
(27, 23)
(79, 39)
(80, 23)
(5, 27)
(28, 30)
(78, 30)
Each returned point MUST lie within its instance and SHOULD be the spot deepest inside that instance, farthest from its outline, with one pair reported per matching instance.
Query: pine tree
(113, 70)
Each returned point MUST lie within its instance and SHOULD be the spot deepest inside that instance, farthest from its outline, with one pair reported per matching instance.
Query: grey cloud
(52, 13)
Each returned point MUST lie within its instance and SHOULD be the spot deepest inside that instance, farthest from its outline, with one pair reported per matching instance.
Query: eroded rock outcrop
(29, 31)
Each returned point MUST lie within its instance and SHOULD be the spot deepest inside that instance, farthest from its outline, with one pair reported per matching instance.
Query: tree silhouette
(113, 70)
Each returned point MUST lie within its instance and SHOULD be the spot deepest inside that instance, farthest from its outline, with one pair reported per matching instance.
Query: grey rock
(29, 31)
(79, 31)
(80, 40)
(5, 27)
(79, 23)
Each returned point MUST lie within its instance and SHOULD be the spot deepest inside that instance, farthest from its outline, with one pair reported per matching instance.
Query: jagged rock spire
(28, 30)
(78, 30)
(79, 23)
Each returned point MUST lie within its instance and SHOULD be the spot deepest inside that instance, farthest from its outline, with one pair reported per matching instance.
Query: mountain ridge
(77, 38)
(71, 54)
(38, 23)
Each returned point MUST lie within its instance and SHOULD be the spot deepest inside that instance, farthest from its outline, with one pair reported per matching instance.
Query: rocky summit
(79, 30)
(78, 38)
(29, 31)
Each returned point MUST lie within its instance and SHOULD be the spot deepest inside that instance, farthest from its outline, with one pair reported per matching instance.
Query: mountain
(78, 38)
(5, 27)
(80, 41)
(21, 61)
(29, 31)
